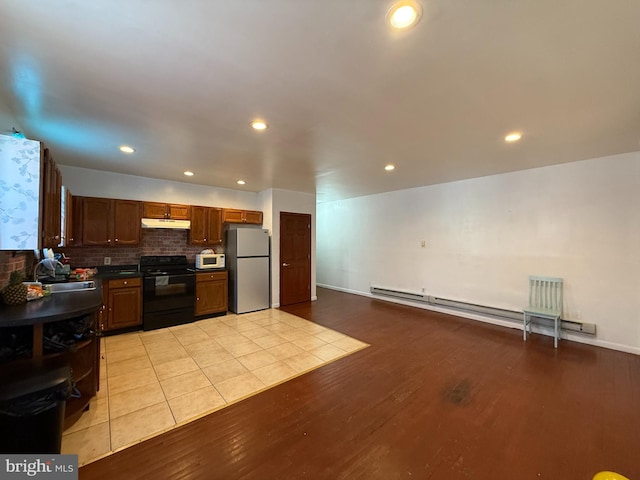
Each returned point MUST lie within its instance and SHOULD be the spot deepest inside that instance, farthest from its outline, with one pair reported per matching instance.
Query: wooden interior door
(295, 258)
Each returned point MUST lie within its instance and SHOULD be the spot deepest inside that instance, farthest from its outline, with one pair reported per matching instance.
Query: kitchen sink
(69, 287)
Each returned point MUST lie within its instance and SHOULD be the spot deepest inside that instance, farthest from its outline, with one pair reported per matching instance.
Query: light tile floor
(151, 382)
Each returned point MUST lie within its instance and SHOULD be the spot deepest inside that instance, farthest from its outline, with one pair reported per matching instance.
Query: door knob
(285, 264)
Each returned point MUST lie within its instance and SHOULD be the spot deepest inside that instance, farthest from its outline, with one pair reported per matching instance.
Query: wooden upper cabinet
(74, 220)
(241, 216)
(165, 210)
(51, 202)
(206, 226)
(109, 222)
(96, 214)
(126, 222)
(179, 212)
(215, 225)
(198, 230)
(154, 210)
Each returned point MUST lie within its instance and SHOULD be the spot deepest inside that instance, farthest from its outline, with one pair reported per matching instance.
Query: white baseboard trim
(494, 321)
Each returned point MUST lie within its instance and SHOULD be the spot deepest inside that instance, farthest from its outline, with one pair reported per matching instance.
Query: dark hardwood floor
(433, 397)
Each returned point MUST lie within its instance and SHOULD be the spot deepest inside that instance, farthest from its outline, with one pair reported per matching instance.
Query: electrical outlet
(107, 260)
(423, 244)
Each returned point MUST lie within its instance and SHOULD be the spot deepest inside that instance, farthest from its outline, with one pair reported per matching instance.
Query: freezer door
(251, 284)
(252, 242)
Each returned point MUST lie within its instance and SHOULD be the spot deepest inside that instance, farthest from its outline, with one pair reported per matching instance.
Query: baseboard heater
(588, 328)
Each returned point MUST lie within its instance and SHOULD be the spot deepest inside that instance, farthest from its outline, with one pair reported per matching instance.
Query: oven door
(168, 300)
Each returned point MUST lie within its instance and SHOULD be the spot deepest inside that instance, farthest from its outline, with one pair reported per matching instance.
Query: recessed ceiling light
(404, 14)
(259, 125)
(241, 182)
(189, 173)
(389, 167)
(513, 137)
(126, 149)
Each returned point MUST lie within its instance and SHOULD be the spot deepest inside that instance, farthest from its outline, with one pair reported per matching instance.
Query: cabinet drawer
(207, 277)
(125, 282)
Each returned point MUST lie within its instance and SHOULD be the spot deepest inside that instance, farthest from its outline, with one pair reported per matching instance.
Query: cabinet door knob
(285, 264)
(116, 240)
(125, 282)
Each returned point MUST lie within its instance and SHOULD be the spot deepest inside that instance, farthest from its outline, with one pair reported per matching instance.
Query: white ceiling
(343, 95)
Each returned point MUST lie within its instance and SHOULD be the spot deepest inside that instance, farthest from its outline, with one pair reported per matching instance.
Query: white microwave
(209, 260)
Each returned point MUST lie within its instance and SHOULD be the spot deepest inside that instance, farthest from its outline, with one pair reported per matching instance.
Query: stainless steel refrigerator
(247, 257)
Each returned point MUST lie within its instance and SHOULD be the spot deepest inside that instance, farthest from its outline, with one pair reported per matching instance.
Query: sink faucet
(45, 268)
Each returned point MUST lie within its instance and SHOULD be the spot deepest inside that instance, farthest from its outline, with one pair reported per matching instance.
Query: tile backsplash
(153, 242)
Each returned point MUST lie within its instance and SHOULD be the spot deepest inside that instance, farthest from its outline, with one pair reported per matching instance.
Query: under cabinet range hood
(166, 223)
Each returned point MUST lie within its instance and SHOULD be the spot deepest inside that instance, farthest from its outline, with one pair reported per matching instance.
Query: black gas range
(168, 292)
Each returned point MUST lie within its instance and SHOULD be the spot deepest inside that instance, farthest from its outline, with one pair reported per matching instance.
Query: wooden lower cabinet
(211, 293)
(123, 303)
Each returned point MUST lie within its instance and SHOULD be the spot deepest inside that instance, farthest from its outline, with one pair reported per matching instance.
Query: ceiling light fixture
(404, 14)
(241, 182)
(126, 149)
(389, 167)
(513, 137)
(189, 173)
(259, 125)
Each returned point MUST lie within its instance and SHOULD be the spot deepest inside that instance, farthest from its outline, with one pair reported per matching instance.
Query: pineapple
(16, 291)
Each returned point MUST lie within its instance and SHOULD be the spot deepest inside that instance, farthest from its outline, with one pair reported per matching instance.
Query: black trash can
(32, 406)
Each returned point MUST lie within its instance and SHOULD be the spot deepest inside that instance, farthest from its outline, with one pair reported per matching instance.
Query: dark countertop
(112, 275)
(57, 306)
